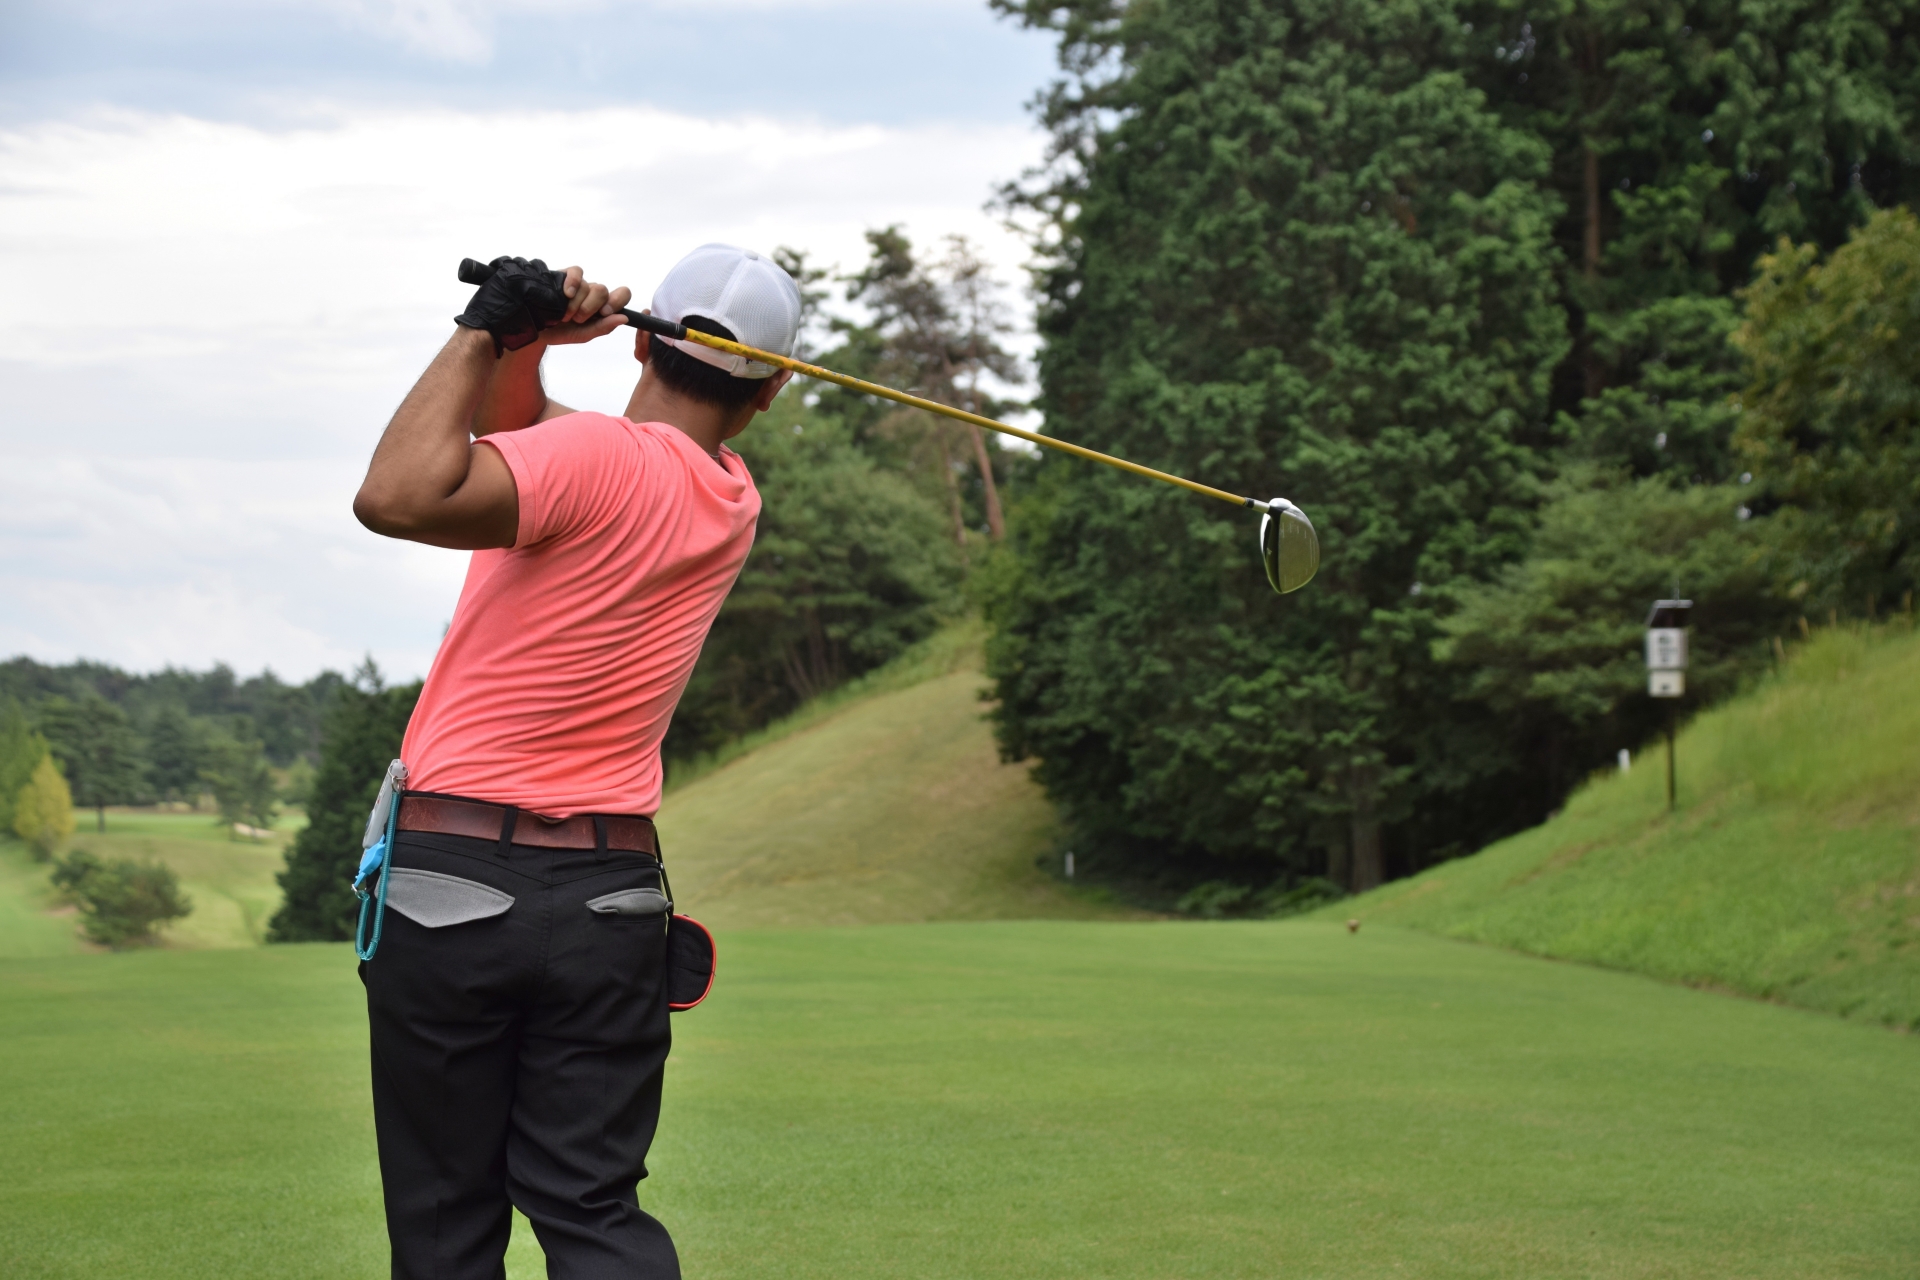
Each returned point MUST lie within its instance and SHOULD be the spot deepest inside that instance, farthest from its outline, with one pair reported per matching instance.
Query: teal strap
(375, 903)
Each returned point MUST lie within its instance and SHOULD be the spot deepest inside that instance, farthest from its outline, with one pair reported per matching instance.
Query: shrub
(121, 902)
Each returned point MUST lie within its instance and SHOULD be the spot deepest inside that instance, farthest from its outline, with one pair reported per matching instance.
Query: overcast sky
(229, 232)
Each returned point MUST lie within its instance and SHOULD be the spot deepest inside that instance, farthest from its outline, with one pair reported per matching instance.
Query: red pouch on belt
(690, 963)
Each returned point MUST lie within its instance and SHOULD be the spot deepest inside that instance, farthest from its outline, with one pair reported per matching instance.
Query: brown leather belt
(445, 816)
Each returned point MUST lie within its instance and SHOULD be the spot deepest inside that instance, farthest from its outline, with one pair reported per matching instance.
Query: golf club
(1289, 547)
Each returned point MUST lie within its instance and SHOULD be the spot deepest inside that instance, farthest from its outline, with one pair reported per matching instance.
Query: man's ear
(763, 400)
(642, 345)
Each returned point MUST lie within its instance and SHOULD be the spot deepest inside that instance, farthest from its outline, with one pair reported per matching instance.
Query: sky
(230, 232)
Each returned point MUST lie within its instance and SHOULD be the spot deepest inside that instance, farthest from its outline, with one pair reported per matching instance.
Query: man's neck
(705, 424)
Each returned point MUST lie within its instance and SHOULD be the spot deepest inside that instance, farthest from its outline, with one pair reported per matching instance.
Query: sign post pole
(1670, 716)
(1667, 666)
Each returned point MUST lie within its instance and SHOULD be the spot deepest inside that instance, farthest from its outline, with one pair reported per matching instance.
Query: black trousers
(518, 1059)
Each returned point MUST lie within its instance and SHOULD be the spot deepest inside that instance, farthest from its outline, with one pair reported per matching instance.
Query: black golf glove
(518, 300)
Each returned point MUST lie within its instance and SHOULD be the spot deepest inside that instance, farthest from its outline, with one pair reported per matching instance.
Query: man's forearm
(513, 397)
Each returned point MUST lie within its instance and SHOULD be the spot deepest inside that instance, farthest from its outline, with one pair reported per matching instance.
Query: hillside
(1790, 871)
(887, 804)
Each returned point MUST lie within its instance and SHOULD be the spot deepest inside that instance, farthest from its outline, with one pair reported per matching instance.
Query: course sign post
(1667, 664)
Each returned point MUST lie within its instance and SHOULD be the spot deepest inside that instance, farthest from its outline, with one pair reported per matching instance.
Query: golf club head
(1288, 546)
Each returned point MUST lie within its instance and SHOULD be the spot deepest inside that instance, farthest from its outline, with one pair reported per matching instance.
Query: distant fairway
(1790, 871)
(231, 881)
(1038, 1099)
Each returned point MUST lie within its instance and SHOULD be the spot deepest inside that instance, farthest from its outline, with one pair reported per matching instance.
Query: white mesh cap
(738, 288)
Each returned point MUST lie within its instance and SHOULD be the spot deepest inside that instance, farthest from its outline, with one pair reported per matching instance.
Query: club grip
(654, 324)
(472, 272)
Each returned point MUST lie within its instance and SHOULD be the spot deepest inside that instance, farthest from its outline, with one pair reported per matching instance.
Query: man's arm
(428, 482)
(514, 396)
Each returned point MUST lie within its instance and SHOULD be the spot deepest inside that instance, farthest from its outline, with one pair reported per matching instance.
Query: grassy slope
(1791, 870)
(1019, 1099)
(885, 805)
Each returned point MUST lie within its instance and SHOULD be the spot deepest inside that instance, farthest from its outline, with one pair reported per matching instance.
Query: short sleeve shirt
(569, 650)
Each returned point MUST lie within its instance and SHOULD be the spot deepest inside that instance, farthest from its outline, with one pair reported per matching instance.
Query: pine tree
(1687, 138)
(97, 750)
(939, 324)
(1295, 253)
(364, 727)
(176, 753)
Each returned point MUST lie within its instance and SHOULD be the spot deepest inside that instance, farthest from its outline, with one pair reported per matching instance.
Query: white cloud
(207, 325)
(465, 31)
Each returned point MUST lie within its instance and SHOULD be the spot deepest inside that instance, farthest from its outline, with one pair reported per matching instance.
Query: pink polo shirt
(569, 650)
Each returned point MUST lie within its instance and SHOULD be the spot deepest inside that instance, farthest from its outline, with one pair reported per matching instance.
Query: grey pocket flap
(436, 900)
(631, 902)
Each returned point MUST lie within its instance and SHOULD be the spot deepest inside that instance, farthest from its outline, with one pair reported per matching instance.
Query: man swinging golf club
(518, 1004)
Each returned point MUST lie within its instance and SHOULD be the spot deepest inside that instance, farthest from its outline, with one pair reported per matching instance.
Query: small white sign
(1666, 648)
(1666, 684)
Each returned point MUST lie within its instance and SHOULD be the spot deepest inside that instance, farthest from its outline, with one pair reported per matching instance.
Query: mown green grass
(1019, 1099)
(32, 922)
(887, 805)
(1791, 869)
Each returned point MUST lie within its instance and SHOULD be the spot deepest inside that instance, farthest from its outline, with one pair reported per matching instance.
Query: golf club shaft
(667, 328)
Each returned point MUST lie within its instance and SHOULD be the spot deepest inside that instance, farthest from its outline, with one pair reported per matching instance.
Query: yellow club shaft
(961, 415)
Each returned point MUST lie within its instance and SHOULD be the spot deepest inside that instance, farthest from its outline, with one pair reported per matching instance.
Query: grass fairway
(1033, 1099)
(1790, 871)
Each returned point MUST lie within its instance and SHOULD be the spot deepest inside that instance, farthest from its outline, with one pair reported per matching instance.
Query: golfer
(518, 1002)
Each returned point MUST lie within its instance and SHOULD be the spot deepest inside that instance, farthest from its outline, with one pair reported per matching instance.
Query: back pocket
(436, 900)
(631, 904)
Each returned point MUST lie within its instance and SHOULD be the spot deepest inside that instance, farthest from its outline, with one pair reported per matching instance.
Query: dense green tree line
(107, 757)
(284, 718)
(1460, 278)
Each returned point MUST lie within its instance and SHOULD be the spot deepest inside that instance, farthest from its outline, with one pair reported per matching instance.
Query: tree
(43, 810)
(1831, 413)
(1291, 247)
(21, 749)
(940, 326)
(176, 753)
(97, 750)
(1686, 139)
(121, 902)
(364, 728)
(242, 782)
(1551, 666)
(285, 717)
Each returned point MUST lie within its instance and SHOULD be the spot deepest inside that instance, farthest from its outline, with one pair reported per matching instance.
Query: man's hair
(696, 378)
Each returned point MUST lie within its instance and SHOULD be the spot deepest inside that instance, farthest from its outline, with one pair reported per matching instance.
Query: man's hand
(523, 302)
(428, 481)
(593, 310)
